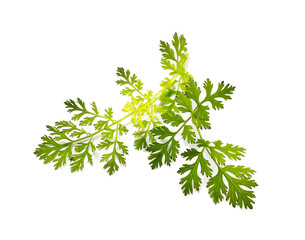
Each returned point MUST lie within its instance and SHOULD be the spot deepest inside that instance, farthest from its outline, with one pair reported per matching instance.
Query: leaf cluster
(162, 123)
(70, 142)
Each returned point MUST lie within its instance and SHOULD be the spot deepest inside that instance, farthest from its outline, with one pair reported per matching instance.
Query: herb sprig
(180, 111)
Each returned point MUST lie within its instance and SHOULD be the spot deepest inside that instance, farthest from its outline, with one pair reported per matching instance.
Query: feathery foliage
(161, 121)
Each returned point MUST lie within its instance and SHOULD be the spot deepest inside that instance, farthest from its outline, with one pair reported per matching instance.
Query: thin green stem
(182, 125)
(116, 137)
(137, 90)
(205, 148)
(198, 130)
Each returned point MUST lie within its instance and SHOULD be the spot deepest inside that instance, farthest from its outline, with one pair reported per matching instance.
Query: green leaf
(223, 92)
(67, 127)
(192, 91)
(82, 153)
(237, 195)
(118, 149)
(108, 114)
(122, 129)
(78, 106)
(232, 152)
(192, 181)
(87, 121)
(101, 124)
(143, 139)
(188, 134)
(238, 189)
(63, 155)
(105, 144)
(179, 44)
(122, 147)
(94, 108)
(218, 151)
(51, 151)
(201, 117)
(162, 132)
(217, 187)
(167, 51)
(172, 118)
(239, 171)
(184, 103)
(124, 74)
(133, 82)
(108, 133)
(168, 65)
(174, 57)
(163, 153)
(111, 158)
(127, 91)
(168, 101)
(59, 135)
(180, 97)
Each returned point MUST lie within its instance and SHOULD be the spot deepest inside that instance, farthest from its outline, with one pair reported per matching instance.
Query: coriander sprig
(179, 111)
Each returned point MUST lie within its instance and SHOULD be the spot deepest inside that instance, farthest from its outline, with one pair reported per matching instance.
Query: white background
(51, 51)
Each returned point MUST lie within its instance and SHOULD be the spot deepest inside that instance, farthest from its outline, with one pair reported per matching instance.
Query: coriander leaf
(123, 148)
(110, 158)
(184, 103)
(117, 148)
(159, 151)
(217, 187)
(82, 152)
(101, 124)
(223, 92)
(87, 121)
(192, 91)
(192, 180)
(239, 171)
(59, 135)
(108, 133)
(218, 151)
(168, 65)
(67, 127)
(179, 44)
(128, 79)
(232, 152)
(168, 101)
(78, 106)
(122, 129)
(143, 139)
(188, 134)
(63, 155)
(174, 59)
(127, 92)
(167, 51)
(94, 108)
(105, 144)
(108, 114)
(52, 151)
(172, 118)
(111, 164)
(162, 132)
(238, 189)
(201, 116)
